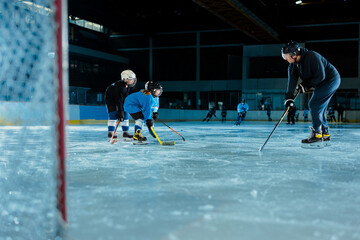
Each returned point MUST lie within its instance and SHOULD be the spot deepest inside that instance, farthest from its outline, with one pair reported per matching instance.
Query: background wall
(79, 114)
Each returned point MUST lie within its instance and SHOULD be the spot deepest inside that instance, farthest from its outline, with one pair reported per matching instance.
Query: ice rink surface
(216, 185)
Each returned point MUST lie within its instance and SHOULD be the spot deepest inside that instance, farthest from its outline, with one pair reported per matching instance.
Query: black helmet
(152, 86)
(291, 48)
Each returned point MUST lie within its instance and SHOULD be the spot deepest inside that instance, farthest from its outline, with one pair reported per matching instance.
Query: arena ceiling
(261, 21)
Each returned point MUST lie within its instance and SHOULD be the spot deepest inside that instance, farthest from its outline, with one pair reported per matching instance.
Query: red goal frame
(62, 76)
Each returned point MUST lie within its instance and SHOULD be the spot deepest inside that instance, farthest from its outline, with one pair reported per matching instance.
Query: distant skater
(340, 109)
(297, 115)
(210, 114)
(223, 114)
(306, 115)
(331, 112)
(242, 109)
(291, 115)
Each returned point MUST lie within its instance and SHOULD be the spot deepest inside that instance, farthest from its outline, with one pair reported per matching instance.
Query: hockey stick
(111, 140)
(286, 111)
(161, 142)
(172, 129)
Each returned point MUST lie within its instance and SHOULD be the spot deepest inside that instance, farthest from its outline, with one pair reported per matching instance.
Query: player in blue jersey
(242, 109)
(114, 97)
(140, 106)
(315, 72)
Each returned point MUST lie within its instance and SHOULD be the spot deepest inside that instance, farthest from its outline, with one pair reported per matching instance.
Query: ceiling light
(298, 2)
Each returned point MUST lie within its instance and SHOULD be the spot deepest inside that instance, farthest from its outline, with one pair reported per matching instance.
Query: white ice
(215, 185)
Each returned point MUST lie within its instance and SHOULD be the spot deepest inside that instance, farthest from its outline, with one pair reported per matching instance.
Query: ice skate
(314, 141)
(237, 123)
(326, 137)
(127, 137)
(110, 136)
(138, 136)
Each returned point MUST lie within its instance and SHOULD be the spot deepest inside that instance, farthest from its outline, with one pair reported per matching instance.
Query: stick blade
(168, 143)
(140, 143)
(261, 148)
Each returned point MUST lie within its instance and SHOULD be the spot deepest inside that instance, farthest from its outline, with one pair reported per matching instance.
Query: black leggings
(137, 115)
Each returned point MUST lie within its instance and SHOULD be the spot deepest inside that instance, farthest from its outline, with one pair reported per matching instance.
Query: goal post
(33, 103)
(61, 20)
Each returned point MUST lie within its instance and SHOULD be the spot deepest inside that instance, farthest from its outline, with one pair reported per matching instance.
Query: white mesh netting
(28, 73)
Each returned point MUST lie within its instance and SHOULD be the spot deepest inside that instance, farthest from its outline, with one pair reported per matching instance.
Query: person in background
(140, 106)
(306, 115)
(314, 72)
(115, 95)
(340, 109)
(267, 108)
(210, 114)
(331, 113)
(291, 115)
(297, 115)
(223, 114)
(242, 109)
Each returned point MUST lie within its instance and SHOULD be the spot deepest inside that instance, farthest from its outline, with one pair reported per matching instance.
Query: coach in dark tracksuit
(313, 71)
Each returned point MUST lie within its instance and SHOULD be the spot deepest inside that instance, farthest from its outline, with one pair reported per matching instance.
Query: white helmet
(128, 75)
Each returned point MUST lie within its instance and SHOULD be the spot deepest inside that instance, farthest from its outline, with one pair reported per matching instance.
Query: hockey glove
(149, 124)
(120, 116)
(289, 103)
(301, 88)
(155, 115)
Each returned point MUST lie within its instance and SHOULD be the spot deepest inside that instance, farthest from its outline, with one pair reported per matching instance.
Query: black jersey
(115, 96)
(312, 70)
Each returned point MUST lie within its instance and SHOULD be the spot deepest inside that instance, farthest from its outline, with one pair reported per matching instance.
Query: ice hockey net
(33, 83)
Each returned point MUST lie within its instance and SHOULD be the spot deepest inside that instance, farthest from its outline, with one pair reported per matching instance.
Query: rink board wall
(80, 114)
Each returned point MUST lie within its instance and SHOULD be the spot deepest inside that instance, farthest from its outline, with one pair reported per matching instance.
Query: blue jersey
(140, 102)
(242, 107)
(155, 107)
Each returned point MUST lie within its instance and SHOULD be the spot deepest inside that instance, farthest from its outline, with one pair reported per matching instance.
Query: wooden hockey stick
(172, 129)
(111, 140)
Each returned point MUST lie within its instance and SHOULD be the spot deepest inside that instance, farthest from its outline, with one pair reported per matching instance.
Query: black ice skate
(127, 137)
(110, 135)
(314, 141)
(138, 136)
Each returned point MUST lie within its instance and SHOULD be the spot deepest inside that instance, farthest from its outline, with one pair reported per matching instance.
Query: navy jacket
(312, 70)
